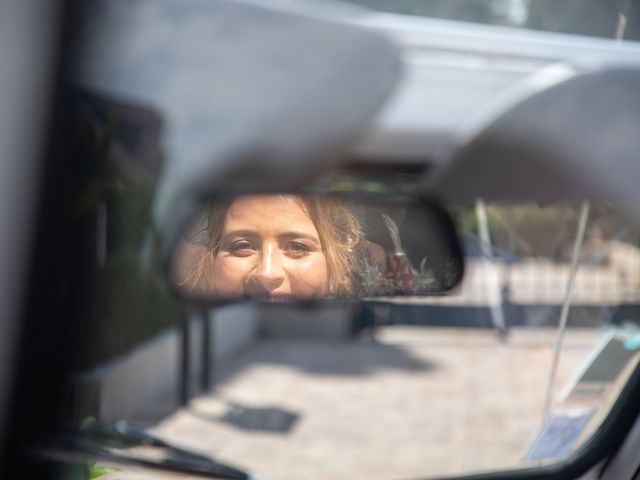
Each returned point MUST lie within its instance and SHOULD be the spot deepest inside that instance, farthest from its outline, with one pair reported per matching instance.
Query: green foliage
(95, 472)
(528, 230)
(131, 303)
(464, 217)
(583, 17)
(479, 11)
(531, 230)
(89, 422)
(523, 230)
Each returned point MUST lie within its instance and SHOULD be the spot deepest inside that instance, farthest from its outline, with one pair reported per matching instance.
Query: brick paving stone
(416, 402)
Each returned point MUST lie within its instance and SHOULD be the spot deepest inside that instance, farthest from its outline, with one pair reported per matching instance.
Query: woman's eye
(241, 248)
(298, 249)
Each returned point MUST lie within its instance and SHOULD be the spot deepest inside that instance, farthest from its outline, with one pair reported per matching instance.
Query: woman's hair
(338, 228)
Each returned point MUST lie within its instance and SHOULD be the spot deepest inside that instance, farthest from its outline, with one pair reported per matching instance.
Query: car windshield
(580, 17)
(518, 367)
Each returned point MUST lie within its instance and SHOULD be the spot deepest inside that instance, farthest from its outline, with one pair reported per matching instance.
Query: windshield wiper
(110, 443)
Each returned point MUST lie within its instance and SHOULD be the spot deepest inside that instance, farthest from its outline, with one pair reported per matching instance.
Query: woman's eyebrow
(308, 236)
(284, 236)
(240, 233)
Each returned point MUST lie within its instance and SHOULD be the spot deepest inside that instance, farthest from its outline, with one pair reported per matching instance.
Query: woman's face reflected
(270, 248)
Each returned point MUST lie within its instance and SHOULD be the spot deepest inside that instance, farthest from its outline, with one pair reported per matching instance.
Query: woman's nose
(269, 273)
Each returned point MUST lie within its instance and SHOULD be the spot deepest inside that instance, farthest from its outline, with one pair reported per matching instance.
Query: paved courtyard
(411, 402)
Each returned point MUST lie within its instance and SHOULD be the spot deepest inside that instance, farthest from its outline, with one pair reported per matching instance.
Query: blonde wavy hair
(339, 231)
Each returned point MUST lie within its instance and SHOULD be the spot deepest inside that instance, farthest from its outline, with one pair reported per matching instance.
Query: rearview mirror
(298, 246)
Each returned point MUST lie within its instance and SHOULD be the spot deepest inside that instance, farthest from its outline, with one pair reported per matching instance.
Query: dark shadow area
(516, 315)
(627, 313)
(270, 419)
(341, 358)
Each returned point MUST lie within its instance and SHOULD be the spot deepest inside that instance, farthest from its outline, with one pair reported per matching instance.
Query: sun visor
(567, 133)
(245, 93)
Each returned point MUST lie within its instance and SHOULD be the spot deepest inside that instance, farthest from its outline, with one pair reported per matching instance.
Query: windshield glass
(580, 17)
(382, 372)
(516, 368)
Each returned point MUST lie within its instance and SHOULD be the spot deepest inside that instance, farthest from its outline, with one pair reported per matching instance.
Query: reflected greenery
(109, 203)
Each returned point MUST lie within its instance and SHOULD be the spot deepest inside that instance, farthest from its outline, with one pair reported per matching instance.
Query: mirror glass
(313, 246)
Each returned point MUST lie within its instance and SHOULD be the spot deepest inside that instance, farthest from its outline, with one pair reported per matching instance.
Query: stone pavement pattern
(414, 402)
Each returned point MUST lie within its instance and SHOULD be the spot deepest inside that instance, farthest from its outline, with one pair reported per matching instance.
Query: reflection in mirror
(294, 246)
